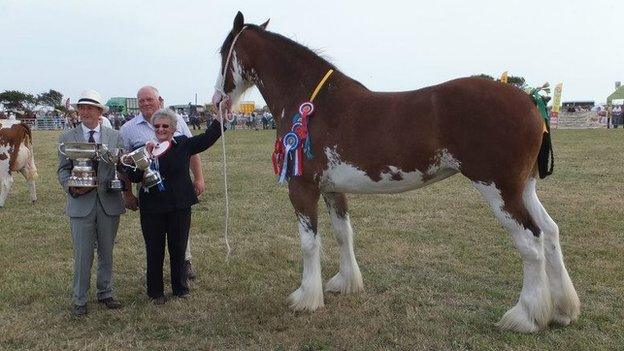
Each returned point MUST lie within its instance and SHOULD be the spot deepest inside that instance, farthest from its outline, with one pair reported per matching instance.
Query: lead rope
(227, 201)
(224, 98)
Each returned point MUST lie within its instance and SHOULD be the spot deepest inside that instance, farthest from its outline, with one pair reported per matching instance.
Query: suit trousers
(98, 227)
(171, 228)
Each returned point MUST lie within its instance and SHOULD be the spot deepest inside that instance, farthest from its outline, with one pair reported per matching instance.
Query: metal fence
(46, 123)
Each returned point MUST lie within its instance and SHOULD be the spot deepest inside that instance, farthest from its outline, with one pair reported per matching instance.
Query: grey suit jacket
(82, 205)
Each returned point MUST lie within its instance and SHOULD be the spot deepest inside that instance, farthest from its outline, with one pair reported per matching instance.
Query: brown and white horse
(380, 142)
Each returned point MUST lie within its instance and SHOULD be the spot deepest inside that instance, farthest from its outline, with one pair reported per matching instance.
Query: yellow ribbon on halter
(320, 84)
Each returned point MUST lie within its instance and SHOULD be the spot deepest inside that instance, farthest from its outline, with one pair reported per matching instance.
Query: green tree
(483, 75)
(517, 81)
(52, 99)
(18, 102)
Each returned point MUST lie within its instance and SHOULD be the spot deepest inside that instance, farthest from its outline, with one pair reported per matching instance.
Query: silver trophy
(142, 159)
(112, 156)
(82, 155)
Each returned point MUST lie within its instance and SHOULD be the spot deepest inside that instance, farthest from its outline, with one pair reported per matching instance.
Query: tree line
(24, 105)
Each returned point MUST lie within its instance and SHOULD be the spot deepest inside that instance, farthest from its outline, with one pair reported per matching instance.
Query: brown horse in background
(379, 142)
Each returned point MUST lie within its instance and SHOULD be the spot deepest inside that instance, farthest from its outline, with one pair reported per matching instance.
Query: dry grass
(438, 269)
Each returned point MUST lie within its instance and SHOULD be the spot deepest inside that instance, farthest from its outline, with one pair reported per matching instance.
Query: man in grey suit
(93, 212)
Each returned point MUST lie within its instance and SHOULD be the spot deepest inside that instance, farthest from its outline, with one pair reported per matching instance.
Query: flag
(67, 104)
(556, 106)
(503, 77)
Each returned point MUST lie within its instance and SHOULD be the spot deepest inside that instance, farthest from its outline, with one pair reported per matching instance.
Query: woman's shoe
(159, 300)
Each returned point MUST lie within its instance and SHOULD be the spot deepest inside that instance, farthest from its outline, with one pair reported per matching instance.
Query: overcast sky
(117, 46)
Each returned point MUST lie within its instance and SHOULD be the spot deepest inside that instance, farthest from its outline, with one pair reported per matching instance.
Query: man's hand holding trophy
(85, 158)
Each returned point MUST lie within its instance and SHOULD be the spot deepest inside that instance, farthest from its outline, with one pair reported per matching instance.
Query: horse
(388, 142)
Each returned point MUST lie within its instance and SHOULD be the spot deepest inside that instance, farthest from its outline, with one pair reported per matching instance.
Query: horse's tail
(546, 157)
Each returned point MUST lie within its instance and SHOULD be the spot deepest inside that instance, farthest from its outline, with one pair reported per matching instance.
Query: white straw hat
(92, 97)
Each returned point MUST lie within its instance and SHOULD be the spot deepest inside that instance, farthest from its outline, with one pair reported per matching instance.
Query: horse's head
(235, 75)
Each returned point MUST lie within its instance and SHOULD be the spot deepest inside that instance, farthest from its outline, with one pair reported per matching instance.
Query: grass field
(438, 269)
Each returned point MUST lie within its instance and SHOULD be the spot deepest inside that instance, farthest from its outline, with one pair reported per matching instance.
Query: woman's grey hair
(168, 114)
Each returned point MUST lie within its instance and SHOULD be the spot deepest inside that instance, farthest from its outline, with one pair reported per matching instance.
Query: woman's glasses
(163, 126)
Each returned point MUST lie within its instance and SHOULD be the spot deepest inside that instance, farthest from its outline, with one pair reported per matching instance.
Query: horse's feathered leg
(565, 300)
(348, 279)
(534, 308)
(304, 197)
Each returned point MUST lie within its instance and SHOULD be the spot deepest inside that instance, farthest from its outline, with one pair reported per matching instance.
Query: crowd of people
(165, 211)
(255, 121)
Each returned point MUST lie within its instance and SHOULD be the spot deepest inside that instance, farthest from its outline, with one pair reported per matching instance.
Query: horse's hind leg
(566, 302)
(534, 308)
(348, 279)
(304, 198)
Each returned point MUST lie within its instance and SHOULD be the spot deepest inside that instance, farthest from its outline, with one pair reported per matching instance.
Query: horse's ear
(238, 22)
(265, 24)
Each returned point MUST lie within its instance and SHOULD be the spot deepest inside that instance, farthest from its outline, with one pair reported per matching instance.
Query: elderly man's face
(149, 102)
(89, 115)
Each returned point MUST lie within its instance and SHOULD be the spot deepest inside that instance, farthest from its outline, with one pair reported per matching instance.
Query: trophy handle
(121, 159)
(61, 145)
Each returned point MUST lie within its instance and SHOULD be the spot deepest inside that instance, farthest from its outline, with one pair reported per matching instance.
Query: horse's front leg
(304, 198)
(348, 279)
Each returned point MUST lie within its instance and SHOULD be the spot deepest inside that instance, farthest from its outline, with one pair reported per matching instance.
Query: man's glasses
(163, 126)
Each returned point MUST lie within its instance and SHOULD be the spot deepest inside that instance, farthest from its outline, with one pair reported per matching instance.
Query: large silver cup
(112, 156)
(142, 159)
(83, 155)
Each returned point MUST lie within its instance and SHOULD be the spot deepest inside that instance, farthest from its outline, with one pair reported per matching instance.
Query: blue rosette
(290, 142)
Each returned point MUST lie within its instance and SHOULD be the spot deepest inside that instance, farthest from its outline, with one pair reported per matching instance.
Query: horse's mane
(317, 54)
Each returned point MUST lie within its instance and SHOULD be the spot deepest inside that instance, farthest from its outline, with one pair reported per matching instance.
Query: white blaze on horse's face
(241, 80)
(341, 176)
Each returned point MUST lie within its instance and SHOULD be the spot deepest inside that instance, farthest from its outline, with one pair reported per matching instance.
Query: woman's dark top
(173, 166)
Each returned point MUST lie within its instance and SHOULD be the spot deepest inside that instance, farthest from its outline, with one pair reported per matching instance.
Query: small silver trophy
(143, 160)
(112, 156)
(82, 155)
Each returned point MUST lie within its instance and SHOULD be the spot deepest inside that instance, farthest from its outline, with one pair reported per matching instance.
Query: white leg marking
(567, 306)
(348, 279)
(5, 187)
(534, 308)
(309, 296)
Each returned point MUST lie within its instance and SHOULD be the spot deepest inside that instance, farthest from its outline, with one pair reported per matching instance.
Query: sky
(117, 46)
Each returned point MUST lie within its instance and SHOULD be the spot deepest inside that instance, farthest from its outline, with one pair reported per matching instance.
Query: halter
(221, 89)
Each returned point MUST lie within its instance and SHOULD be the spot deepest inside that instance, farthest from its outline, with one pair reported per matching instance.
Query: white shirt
(106, 122)
(138, 131)
(97, 136)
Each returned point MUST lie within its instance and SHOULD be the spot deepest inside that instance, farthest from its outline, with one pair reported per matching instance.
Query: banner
(503, 77)
(556, 106)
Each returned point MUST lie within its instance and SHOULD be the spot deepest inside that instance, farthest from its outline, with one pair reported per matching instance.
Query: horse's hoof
(559, 319)
(340, 284)
(563, 318)
(518, 319)
(297, 301)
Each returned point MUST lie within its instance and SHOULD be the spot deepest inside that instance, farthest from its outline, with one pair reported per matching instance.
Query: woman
(165, 210)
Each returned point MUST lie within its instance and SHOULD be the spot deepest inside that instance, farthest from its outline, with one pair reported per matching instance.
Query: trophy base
(116, 185)
(82, 183)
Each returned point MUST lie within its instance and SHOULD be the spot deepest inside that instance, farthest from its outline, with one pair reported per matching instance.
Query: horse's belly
(345, 177)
